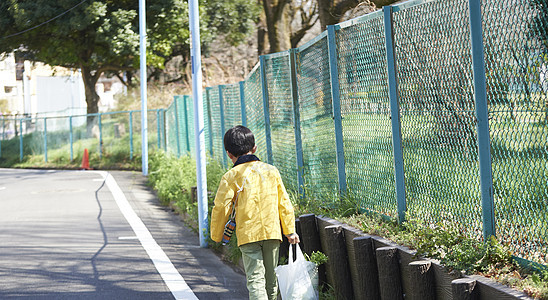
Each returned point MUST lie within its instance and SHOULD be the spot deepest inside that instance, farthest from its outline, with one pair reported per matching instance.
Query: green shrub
(172, 178)
(442, 240)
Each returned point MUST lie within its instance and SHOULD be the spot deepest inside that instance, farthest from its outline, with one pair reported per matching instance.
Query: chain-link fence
(365, 110)
(62, 139)
(386, 109)
(437, 113)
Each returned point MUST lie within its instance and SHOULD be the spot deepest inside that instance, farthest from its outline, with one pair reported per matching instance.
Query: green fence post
(20, 138)
(71, 139)
(158, 132)
(209, 122)
(164, 129)
(242, 104)
(395, 114)
(222, 112)
(482, 116)
(46, 139)
(131, 135)
(266, 110)
(175, 99)
(100, 136)
(297, 120)
(337, 118)
(187, 131)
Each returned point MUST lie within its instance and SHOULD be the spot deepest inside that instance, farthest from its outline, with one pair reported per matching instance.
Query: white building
(11, 97)
(59, 95)
(36, 89)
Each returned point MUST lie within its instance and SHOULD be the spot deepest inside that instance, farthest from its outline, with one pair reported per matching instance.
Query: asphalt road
(69, 235)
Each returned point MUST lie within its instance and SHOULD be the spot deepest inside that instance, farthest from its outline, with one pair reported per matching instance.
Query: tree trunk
(261, 33)
(332, 11)
(325, 10)
(129, 78)
(381, 3)
(278, 25)
(92, 98)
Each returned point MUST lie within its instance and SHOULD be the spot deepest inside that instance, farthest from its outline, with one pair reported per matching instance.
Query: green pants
(260, 259)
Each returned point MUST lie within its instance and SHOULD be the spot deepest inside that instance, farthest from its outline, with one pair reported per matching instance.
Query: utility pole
(143, 73)
(199, 135)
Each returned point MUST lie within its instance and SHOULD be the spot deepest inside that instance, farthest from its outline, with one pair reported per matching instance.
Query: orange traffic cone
(85, 160)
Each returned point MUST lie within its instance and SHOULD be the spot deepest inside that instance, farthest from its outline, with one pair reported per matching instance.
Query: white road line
(174, 281)
(2, 188)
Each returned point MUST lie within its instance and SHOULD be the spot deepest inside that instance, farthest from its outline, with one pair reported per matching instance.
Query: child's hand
(293, 238)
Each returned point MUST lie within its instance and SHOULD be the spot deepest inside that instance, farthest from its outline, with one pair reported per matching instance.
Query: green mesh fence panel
(231, 101)
(365, 110)
(215, 107)
(177, 116)
(185, 121)
(33, 136)
(161, 126)
(437, 114)
(207, 124)
(516, 60)
(7, 128)
(281, 118)
(186, 125)
(115, 137)
(152, 130)
(31, 130)
(317, 127)
(80, 138)
(9, 145)
(131, 140)
(255, 111)
(182, 123)
(58, 140)
(171, 129)
(191, 130)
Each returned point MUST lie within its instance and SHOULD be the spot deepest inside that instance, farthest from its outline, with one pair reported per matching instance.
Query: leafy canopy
(104, 34)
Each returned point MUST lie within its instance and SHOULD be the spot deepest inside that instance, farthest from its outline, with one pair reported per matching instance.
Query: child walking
(263, 212)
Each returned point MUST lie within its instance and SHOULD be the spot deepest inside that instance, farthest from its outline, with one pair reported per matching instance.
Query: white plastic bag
(294, 279)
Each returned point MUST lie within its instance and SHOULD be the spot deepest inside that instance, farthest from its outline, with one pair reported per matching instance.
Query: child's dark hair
(239, 140)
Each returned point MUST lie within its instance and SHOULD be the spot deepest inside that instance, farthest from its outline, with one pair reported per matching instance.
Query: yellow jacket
(263, 208)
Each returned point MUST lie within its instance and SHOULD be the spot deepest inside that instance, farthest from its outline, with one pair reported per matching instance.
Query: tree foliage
(235, 19)
(98, 36)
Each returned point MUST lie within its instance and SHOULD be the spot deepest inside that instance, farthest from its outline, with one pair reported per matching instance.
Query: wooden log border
(339, 261)
(445, 286)
(388, 265)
